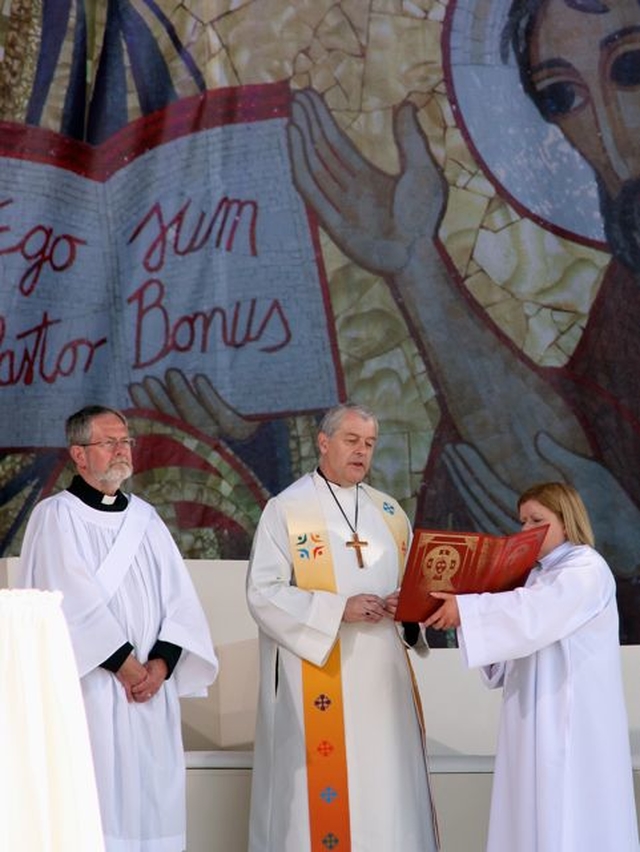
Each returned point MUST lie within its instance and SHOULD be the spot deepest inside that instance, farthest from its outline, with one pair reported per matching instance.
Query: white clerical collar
(109, 499)
(350, 487)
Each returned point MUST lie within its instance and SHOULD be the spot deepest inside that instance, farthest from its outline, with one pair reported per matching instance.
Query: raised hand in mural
(489, 500)
(195, 402)
(374, 217)
(492, 503)
(388, 224)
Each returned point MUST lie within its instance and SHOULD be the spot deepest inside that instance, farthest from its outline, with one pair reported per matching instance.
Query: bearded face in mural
(579, 62)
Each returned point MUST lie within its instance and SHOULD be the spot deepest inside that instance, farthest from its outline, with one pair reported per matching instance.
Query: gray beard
(116, 475)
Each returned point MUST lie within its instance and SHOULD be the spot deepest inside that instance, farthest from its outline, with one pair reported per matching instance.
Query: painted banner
(163, 249)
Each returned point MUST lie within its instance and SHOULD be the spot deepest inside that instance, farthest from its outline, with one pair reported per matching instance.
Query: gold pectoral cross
(358, 545)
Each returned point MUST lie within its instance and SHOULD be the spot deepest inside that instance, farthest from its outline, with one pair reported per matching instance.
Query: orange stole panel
(327, 778)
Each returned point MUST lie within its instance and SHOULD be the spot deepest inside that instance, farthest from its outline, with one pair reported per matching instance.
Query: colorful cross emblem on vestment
(325, 748)
(322, 702)
(328, 795)
(309, 545)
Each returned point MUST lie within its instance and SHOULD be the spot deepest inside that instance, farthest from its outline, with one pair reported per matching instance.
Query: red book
(463, 562)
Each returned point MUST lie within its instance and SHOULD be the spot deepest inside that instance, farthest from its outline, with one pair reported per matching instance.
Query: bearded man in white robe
(138, 631)
(339, 758)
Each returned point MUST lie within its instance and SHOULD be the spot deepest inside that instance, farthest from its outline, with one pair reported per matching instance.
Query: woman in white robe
(563, 777)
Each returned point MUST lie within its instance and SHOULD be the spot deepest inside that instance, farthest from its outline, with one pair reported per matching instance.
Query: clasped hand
(141, 682)
(370, 608)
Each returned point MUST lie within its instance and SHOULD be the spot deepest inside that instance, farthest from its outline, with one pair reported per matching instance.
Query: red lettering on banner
(239, 326)
(41, 247)
(183, 235)
(36, 360)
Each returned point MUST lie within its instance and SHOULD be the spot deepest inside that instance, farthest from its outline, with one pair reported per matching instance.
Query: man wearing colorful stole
(139, 633)
(339, 759)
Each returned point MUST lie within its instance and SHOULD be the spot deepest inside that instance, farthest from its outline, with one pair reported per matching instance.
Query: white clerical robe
(390, 806)
(137, 748)
(563, 777)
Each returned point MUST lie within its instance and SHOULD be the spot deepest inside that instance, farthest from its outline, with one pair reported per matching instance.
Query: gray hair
(78, 425)
(332, 420)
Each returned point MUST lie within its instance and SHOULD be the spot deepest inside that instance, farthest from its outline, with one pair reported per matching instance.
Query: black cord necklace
(356, 543)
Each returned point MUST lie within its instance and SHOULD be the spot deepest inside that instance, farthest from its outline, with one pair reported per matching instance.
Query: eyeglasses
(112, 444)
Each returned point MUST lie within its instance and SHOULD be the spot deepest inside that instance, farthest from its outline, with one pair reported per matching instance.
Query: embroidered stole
(327, 777)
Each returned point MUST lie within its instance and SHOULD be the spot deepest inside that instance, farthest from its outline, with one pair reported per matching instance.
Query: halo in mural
(528, 160)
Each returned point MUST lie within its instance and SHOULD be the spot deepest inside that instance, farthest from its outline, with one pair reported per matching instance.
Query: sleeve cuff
(113, 663)
(168, 652)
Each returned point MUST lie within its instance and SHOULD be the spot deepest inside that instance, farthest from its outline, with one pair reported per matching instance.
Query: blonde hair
(564, 501)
